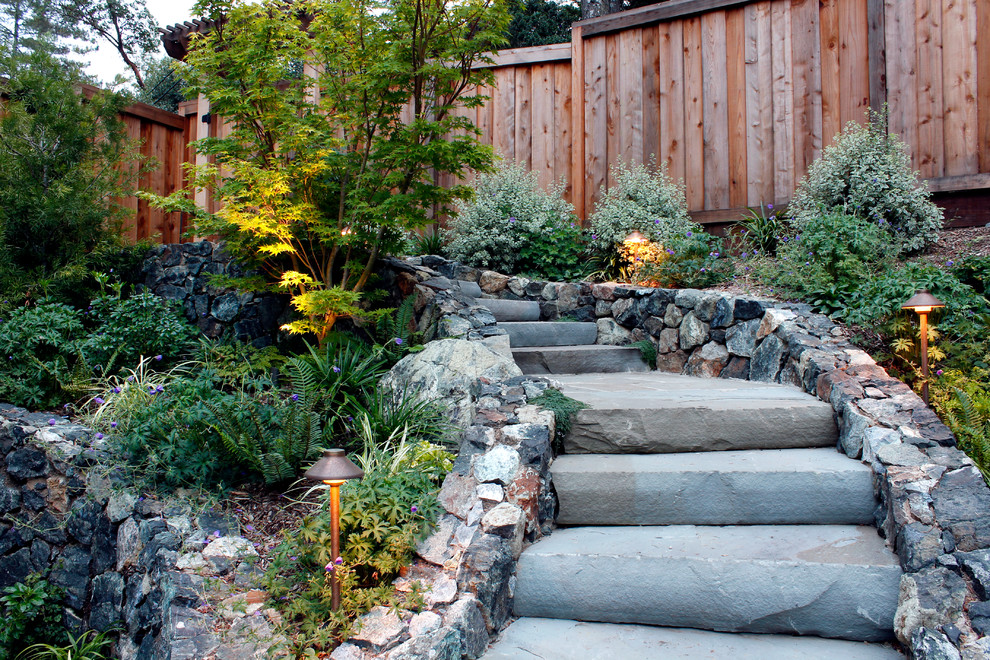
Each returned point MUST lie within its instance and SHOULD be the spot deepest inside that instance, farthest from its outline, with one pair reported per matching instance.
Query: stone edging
(934, 507)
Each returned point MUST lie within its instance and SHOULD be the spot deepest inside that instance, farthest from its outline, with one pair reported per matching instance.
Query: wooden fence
(738, 97)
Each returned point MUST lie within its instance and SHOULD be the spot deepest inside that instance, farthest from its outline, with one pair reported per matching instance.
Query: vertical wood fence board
(983, 84)
(613, 97)
(579, 134)
(759, 104)
(630, 128)
(930, 153)
(524, 118)
(716, 112)
(671, 57)
(596, 122)
(543, 118)
(902, 97)
(959, 86)
(504, 113)
(876, 52)
(854, 78)
(651, 94)
(806, 58)
(735, 63)
(133, 127)
(694, 135)
(562, 141)
(783, 103)
(829, 39)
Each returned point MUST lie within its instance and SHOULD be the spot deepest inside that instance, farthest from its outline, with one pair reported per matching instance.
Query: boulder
(708, 361)
(449, 370)
(693, 331)
(928, 599)
(611, 333)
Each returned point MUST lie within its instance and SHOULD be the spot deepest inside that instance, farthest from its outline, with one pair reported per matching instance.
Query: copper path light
(923, 302)
(333, 469)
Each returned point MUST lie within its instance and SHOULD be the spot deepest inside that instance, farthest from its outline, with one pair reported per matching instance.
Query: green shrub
(128, 328)
(37, 346)
(694, 259)
(513, 226)
(383, 517)
(763, 230)
(645, 199)
(32, 613)
(234, 360)
(868, 173)
(87, 645)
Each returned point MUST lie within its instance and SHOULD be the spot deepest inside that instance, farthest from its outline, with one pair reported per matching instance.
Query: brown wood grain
(735, 64)
(651, 14)
(504, 114)
(132, 125)
(854, 77)
(959, 86)
(596, 122)
(563, 106)
(828, 17)
(806, 66)
(524, 117)
(613, 98)
(931, 142)
(902, 52)
(783, 102)
(671, 59)
(630, 128)
(716, 110)
(759, 104)
(983, 85)
(651, 94)
(543, 119)
(578, 131)
(694, 125)
(876, 48)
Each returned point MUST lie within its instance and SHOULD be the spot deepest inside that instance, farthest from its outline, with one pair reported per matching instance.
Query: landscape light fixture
(333, 469)
(923, 302)
(635, 237)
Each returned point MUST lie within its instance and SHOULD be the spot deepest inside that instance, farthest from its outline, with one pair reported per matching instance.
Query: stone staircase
(692, 508)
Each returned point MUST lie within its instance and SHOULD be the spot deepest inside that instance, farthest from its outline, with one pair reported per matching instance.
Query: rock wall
(934, 507)
(125, 561)
(182, 271)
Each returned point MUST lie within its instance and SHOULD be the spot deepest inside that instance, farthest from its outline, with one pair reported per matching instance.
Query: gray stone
(901, 454)
(747, 578)
(688, 298)
(443, 590)
(875, 438)
(929, 598)
(443, 644)
(424, 623)
(693, 331)
(546, 333)
(668, 341)
(435, 548)
(740, 339)
(509, 522)
(500, 465)
(10, 499)
(249, 638)
(225, 307)
(579, 359)
(512, 310)
(457, 494)
(705, 308)
(348, 652)
(746, 309)
(120, 505)
(27, 463)
(673, 316)
(852, 430)
(454, 327)
(738, 368)
(771, 321)
(961, 500)
(767, 360)
(928, 644)
(722, 317)
(15, 567)
(484, 571)
(918, 545)
(532, 442)
(129, 544)
(379, 629)
(714, 488)
(448, 371)
(976, 565)
(466, 617)
(106, 601)
(707, 361)
(490, 492)
(611, 333)
(73, 576)
(229, 547)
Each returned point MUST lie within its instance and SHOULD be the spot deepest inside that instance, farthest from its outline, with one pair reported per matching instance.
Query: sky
(105, 63)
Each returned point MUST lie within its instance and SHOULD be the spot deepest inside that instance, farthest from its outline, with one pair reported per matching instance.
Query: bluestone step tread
(822, 486)
(826, 580)
(563, 639)
(579, 359)
(550, 333)
(511, 310)
(657, 412)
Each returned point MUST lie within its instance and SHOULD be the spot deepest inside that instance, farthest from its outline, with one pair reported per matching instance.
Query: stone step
(511, 310)
(754, 487)
(469, 288)
(562, 639)
(659, 413)
(579, 359)
(550, 333)
(836, 581)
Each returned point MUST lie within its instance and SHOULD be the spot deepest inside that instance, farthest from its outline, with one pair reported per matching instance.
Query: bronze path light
(923, 302)
(333, 469)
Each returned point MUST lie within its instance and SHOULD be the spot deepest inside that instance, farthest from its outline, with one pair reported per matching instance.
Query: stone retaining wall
(146, 566)
(934, 507)
(182, 271)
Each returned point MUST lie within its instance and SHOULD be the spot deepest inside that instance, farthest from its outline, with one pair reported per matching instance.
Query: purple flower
(113, 425)
(939, 372)
(770, 206)
(744, 255)
(99, 401)
(414, 508)
(116, 390)
(294, 397)
(52, 422)
(657, 221)
(594, 237)
(949, 263)
(398, 341)
(336, 369)
(216, 533)
(338, 561)
(689, 234)
(511, 219)
(99, 436)
(329, 567)
(66, 406)
(158, 358)
(293, 558)
(249, 528)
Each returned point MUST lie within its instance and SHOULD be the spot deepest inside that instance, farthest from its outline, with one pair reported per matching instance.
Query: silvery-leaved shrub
(509, 210)
(644, 198)
(867, 173)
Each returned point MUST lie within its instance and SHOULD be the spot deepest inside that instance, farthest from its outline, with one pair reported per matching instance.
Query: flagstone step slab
(561, 639)
(658, 412)
(754, 487)
(541, 360)
(511, 310)
(836, 581)
(550, 333)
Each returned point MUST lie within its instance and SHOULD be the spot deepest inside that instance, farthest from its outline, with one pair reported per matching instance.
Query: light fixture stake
(922, 303)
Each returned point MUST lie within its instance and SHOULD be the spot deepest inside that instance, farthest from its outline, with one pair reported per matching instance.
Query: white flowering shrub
(644, 199)
(513, 226)
(868, 173)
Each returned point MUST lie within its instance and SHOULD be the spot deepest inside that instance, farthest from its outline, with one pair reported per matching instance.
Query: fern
(971, 425)
(562, 407)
